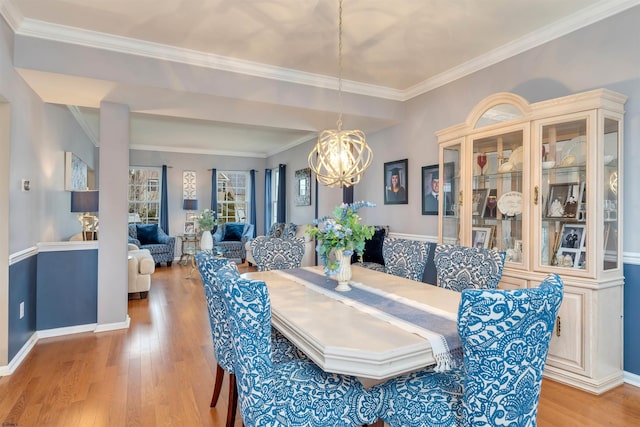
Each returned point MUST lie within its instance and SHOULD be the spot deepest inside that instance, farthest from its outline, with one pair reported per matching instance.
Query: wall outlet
(22, 309)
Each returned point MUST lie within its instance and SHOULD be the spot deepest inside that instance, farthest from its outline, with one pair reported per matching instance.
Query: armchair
(141, 267)
(151, 237)
(233, 237)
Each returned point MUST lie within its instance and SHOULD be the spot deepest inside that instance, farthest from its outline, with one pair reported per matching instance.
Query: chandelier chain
(339, 123)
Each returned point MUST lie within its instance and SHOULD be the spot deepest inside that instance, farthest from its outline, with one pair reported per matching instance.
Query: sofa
(233, 237)
(290, 230)
(141, 267)
(153, 238)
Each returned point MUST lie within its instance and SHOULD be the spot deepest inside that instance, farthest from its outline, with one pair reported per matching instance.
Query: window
(144, 195)
(233, 196)
(275, 173)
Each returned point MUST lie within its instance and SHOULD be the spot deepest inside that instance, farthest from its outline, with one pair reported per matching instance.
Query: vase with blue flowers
(338, 236)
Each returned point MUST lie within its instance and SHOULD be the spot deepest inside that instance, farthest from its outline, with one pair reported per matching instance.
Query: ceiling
(397, 48)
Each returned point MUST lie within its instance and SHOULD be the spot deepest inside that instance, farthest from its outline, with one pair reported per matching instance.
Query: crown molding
(39, 29)
(94, 39)
(186, 150)
(585, 17)
(11, 14)
(86, 127)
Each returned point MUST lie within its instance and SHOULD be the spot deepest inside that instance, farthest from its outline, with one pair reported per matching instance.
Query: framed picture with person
(436, 185)
(396, 182)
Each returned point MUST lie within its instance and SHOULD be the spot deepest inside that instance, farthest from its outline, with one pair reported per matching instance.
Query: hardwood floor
(160, 372)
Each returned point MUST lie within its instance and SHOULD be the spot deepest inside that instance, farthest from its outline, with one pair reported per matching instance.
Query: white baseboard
(632, 379)
(22, 354)
(113, 326)
(58, 332)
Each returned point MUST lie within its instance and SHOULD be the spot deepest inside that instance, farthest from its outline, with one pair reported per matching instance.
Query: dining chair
(277, 253)
(294, 393)
(404, 257)
(213, 269)
(505, 340)
(462, 267)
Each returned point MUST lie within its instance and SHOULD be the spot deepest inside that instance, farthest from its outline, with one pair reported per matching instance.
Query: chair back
(461, 267)
(212, 270)
(249, 310)
(505, 338)
(404, 257)
(275, 253)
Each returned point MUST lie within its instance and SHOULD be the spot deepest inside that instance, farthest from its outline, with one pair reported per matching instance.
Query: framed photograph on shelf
(396, 181)
(479, 201)
(303, 187)
(563, 200)
(572, 236)
(189, 228)
(482, 237)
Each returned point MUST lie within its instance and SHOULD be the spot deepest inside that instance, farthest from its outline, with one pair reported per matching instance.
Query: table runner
(437, 326)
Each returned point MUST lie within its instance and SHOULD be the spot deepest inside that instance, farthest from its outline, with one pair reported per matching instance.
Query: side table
(189, 249)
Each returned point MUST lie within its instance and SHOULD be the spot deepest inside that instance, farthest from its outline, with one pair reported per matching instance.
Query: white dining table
(343, 339)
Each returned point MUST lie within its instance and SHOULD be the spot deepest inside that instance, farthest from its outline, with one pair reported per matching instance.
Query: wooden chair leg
(233, 401)
(217, 386)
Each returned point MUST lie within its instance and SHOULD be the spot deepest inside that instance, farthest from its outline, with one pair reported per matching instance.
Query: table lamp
(190, 205)
(87, 203)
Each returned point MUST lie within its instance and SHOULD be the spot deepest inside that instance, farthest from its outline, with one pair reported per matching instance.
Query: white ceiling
(399, 47)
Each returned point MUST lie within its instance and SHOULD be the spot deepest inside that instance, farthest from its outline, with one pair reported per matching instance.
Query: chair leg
(233, 401)
(217, 386)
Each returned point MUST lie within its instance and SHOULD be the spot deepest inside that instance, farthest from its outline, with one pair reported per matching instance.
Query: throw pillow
(276, 229)
(289, 231)
(373, 247)
(147, 233)
(233, 232)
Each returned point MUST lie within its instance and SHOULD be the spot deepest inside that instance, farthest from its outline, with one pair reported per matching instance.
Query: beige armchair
(141, 266)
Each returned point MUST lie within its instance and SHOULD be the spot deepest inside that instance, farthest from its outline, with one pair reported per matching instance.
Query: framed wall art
(396, 181)
(303, 187)
(435, 185)
(75, 172)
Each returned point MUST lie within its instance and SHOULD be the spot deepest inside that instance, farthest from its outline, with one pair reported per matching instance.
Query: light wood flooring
(160, 372)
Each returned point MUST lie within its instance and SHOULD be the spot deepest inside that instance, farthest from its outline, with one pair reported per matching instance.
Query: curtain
(164, 202)
(268, 201)
(252, 208)
(214, 191)
(282, 193)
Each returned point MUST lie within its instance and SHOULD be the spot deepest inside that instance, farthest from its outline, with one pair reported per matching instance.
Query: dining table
(383, 327)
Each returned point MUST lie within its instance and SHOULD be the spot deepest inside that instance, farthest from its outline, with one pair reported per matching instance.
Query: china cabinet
(540, 181)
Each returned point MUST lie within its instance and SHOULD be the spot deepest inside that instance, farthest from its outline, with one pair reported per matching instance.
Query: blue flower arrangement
(342, 230)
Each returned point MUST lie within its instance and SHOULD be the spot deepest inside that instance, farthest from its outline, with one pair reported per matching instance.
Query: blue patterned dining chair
(294, 393)
(404, 257)
(462, 267)
(276, 253)
(213, 269)
(505, 339)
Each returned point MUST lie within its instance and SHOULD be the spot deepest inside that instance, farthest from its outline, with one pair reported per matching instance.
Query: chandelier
(340, 157)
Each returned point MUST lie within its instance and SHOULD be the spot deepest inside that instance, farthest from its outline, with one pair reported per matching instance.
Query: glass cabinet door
(498, 162)
(562, 199)
(450, 190)
(611, 203)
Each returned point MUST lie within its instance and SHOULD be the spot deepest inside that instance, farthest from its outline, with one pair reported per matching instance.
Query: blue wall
(67, 291)
(22, 288)
(631, 318)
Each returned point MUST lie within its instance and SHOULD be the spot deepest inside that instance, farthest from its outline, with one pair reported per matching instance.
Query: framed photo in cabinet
(563, 200)
(482, 237)
(572, 236)
(479, 201)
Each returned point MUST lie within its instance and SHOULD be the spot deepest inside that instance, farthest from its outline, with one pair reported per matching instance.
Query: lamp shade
(84, 201)
(190, 204)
